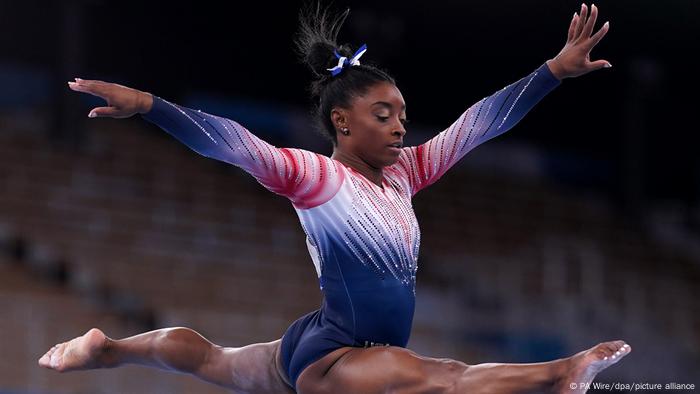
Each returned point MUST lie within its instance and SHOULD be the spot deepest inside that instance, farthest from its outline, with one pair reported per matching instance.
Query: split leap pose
(361, 231)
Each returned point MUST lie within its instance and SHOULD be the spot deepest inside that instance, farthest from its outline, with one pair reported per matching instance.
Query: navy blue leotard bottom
(316, 344)
(387, 314)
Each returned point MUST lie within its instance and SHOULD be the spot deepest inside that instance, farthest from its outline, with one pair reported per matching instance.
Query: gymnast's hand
(574, 58)
(122, 102)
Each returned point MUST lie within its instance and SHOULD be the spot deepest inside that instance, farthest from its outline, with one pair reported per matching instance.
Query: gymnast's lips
(395, 147)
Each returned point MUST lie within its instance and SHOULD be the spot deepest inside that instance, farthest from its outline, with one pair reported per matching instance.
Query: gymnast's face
(374, 121)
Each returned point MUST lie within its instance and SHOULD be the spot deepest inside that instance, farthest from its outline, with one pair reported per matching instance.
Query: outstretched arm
(494, 115)
(306, 178)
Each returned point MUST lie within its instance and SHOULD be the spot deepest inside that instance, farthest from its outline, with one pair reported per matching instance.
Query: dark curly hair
(315, 44)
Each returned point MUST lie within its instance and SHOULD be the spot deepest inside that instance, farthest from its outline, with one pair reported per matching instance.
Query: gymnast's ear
(339, 118)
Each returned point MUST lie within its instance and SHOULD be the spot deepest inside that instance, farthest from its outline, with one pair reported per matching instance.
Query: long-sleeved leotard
(363, 239)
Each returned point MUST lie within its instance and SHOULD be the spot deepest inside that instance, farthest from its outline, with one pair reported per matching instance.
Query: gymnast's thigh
(380, 370)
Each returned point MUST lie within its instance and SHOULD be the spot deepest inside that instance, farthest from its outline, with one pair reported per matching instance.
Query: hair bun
(319, 58)
(316, 40)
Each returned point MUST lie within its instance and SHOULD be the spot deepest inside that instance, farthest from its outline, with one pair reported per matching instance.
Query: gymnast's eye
(382, 118)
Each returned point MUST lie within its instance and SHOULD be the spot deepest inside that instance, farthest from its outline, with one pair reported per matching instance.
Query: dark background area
(637, 117)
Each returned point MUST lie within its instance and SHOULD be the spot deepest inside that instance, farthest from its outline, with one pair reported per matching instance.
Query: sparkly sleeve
(424, 164)
(306, 178)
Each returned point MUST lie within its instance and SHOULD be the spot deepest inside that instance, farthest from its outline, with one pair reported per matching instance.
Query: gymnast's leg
(249, 369)
(396, 370)
(567, 375)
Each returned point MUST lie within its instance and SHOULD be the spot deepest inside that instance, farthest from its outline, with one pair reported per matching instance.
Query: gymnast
(361, 232)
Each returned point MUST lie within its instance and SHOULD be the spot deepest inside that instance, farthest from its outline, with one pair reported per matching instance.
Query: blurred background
(580, 225)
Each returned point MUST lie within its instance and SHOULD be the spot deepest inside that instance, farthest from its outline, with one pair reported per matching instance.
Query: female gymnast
(361, 231)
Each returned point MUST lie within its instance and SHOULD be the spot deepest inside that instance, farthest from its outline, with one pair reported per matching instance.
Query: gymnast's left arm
(496, 114)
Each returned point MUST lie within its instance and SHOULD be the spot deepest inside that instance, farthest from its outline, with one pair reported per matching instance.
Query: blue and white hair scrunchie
(343, 61)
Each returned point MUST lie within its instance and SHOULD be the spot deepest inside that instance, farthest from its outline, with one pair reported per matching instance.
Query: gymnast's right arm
(306, 178)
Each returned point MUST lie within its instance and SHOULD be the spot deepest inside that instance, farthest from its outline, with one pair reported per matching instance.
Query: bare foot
(585, 365)
(77, 354)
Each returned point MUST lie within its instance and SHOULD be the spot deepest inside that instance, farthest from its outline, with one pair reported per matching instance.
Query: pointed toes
(44, 361)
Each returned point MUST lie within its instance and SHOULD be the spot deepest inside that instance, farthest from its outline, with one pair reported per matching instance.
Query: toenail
(606, 357)
(617, 353)
(613, 356)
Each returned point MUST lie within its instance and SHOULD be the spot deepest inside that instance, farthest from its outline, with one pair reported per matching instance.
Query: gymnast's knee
(417, 374)
(183, 349)
(182, 336)
(443, 375)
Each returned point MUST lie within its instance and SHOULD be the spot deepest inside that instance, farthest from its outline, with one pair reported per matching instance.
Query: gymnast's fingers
(598, 64)
(107, 112)
(581, 21)
(590, 23)
(598, 36)
(572, 28)
(89, 87)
